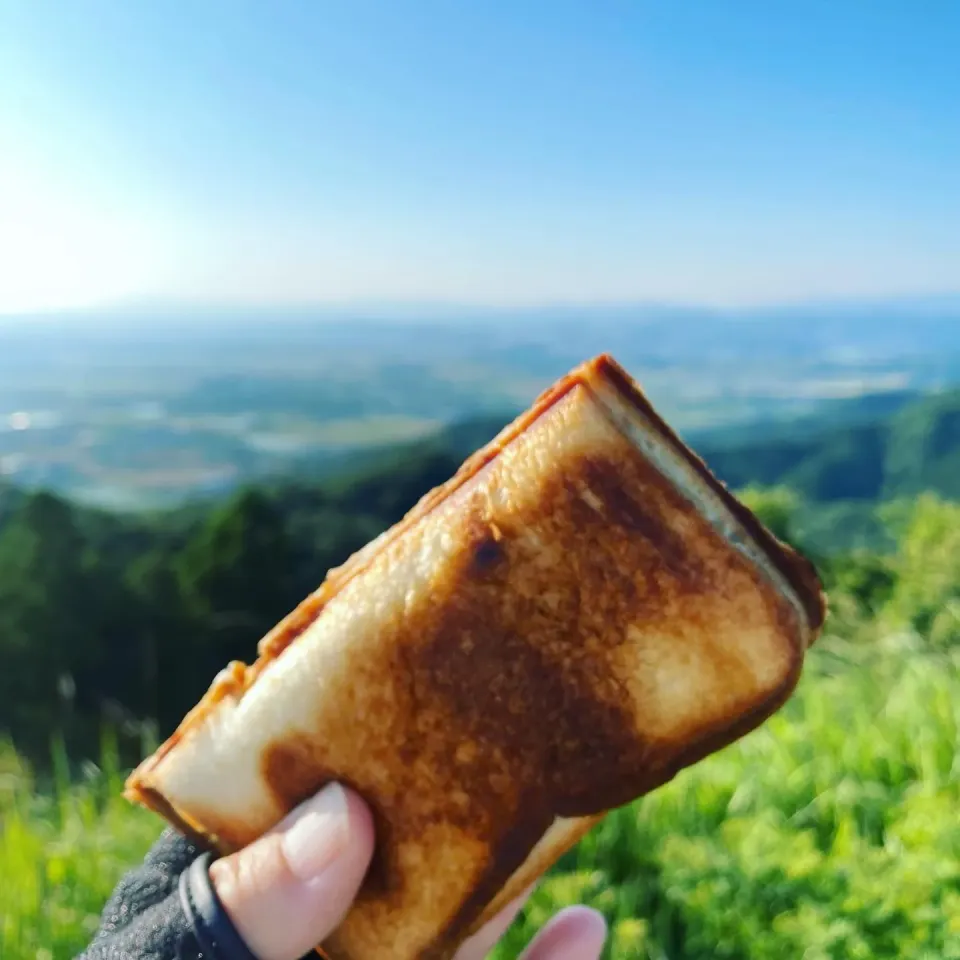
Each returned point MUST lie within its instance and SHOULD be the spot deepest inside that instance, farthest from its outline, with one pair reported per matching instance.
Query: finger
(290, 889)
(575, 933)
(487, 937)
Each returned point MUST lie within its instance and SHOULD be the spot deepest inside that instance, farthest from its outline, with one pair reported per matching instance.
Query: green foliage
(866, 579)
(48, 618)
(925, 450)
(62, 850)
(927, 594)
(776, 508)
(130, 618)
(830, 832)
(236, 578)
(239, 558)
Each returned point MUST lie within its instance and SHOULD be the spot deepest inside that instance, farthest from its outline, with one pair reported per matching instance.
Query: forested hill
(915, 447)
(130, 616)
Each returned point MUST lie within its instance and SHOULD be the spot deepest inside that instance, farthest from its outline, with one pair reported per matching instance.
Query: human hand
(290, 889)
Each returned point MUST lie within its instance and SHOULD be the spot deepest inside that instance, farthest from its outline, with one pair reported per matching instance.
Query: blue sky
(229, 151)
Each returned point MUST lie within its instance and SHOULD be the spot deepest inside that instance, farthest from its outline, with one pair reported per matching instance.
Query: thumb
(287, 891)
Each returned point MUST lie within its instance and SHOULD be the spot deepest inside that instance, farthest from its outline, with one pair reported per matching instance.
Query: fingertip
(574, 933)
(290, 889)
(587, 924)
(590, 924)
(342, 809)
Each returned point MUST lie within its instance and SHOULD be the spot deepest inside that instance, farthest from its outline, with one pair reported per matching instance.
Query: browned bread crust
(505, 708)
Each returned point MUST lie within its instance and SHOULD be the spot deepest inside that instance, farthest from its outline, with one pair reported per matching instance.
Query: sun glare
(54, 264)
(61, 250)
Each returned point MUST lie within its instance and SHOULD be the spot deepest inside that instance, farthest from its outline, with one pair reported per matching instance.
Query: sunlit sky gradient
(499, 152)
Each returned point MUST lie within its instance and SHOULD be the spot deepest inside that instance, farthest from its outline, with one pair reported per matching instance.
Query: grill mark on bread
(643, 515)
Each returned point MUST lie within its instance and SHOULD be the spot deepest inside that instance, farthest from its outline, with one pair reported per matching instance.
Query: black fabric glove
(167, 909)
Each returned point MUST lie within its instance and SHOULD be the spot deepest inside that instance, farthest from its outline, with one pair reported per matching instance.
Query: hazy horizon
(428, 310)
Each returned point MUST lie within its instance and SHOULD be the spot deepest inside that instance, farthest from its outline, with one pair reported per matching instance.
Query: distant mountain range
(541, 340)
(911, 446)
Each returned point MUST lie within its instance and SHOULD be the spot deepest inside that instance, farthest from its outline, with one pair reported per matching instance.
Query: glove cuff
(212, 927)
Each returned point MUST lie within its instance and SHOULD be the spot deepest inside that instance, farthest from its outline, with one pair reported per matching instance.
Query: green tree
(48, 615)
(927, 593)
(237, 578)
(159, 662)
(776, 508)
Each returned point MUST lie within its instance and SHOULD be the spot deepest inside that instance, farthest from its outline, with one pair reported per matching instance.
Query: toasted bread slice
(578, 614)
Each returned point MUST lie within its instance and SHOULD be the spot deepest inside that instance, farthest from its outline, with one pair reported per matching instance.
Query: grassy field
(831, 832)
